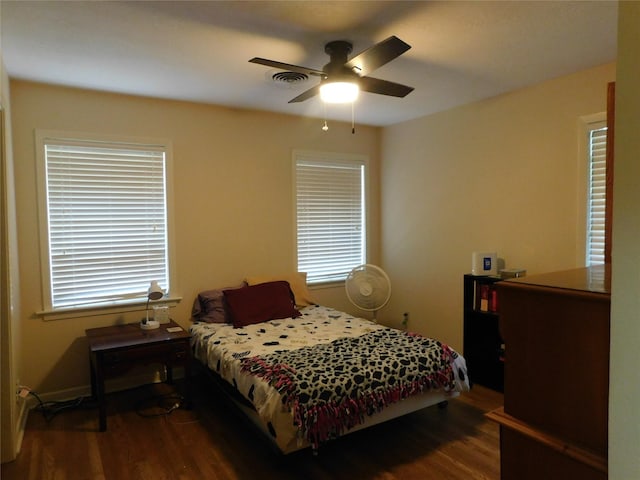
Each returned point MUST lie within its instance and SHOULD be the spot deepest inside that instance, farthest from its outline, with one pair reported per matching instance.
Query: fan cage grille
(368, 287)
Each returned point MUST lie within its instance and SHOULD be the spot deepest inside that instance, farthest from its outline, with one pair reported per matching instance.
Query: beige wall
(624, 389)
(497, 175)
(232, 202)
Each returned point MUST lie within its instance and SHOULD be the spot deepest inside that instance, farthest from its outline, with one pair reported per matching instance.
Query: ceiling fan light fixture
(339, 92)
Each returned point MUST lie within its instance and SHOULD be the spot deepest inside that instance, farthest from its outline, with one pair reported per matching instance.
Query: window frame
(588, 124)
(333, 157)
(129, 304)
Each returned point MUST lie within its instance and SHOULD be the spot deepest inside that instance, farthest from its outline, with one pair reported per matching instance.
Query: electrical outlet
(405, 319)
(22, 391)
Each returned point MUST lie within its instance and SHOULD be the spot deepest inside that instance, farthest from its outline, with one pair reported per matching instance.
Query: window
(104, 227)
(596, 191)
(330, 213)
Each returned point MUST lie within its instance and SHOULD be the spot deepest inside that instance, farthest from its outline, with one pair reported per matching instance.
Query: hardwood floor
(212, 442)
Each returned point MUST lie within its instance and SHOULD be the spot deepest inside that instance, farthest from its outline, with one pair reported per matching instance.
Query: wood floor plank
(212, 442)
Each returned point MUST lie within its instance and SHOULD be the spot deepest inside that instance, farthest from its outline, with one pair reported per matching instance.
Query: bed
(307, 373)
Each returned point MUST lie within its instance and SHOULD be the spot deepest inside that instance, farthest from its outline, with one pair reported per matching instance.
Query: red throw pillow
(261, 302)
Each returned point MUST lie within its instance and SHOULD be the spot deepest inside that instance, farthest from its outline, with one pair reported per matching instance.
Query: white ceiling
(462, 51)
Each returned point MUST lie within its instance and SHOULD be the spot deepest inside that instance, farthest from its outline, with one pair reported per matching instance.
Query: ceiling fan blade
(376, 56)
(286, 66)
(384, 87)
(306, 95)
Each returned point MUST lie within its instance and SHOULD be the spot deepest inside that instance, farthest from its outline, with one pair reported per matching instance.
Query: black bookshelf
(483, 346)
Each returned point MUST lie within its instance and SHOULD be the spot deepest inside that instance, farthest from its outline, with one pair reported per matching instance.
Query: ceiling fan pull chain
(325, 127)
(353, 121)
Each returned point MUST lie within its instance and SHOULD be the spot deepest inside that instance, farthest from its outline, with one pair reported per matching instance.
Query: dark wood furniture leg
(97, 389)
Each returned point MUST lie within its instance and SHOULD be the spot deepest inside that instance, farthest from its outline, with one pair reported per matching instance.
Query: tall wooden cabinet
(556, 331)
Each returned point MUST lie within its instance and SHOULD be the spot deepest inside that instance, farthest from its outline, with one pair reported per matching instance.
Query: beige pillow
(297, 282)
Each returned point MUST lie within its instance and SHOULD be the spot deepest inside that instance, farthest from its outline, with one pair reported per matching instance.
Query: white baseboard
(23, 415)
(111, 385)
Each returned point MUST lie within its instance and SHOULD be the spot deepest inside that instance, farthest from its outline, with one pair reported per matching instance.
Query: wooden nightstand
(115, 349)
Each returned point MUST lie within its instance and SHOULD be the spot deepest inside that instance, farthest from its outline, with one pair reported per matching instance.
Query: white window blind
(330, 206)
(596, 196)
(106, 221)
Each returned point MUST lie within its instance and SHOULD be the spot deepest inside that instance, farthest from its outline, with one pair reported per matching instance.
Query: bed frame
(248, 412)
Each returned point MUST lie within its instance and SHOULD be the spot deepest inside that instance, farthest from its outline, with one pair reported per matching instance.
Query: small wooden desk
(115, 349)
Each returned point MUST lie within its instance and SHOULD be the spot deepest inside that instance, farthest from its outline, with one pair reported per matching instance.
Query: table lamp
(154, 293)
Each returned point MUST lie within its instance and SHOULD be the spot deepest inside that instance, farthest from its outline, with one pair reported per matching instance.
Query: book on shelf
(493, 299)
(486, 297)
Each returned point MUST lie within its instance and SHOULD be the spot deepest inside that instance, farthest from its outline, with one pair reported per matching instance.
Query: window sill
(137, 305)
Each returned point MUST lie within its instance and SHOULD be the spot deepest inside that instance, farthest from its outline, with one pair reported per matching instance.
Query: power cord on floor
(165, 405)
(51, 408)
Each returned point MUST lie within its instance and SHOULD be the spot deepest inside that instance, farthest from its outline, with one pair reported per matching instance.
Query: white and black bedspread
(325, 372)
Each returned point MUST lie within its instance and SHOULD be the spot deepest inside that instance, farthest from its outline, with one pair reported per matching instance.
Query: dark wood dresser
(556, 332)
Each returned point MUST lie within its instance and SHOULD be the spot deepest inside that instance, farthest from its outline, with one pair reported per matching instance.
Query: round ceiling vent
(290, 78)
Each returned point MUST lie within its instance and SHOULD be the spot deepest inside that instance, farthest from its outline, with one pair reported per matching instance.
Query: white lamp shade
(154, 292)
(339, 92)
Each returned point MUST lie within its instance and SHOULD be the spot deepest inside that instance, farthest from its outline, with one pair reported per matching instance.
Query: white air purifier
(484, 263)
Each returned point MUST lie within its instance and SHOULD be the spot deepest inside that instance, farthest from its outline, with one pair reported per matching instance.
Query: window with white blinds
(596, 195)
(105, 221)
(331, 214)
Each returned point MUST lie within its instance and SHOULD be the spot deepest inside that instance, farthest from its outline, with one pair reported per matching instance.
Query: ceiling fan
(340, 70)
